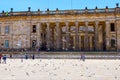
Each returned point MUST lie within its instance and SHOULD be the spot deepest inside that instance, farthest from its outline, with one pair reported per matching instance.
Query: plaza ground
(60, 69)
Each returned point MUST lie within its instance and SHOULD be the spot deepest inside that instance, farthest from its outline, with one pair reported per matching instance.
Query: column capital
(86, 22)
(96, 22)
(48, 24)
(76, 23)
(40, 23)
(67, 23)
(107, 21)
(57, 23)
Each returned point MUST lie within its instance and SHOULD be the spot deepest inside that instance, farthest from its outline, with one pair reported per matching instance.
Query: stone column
(118, 35)
(107, 29)
(86, 36)
(63, 43)
(91, 46)
(76, 37)
(96, 35)
(74, 43)
(67, 35)
(58, 39)
(48, 36)
(29, 34)
(79, 42)
(11, 35)
(38, 34)
(100, 38)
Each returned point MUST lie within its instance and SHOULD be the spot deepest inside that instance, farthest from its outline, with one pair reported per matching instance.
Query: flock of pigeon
(60, 69)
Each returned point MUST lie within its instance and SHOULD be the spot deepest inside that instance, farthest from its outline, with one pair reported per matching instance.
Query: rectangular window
(112, 43)
(6, 43)
(34, 29)
(112, 27)
(7, 29)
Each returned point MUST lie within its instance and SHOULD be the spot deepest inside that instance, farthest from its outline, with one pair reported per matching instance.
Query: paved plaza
(60, 69)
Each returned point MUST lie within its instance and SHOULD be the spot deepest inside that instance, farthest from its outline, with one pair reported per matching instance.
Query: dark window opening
(33, 43)
(82, 43)
(7, 29)
(112, 43)
(41, 35)
(2, 44)
(44, 35)
(34, 28)
(6, 43)
(112, 27)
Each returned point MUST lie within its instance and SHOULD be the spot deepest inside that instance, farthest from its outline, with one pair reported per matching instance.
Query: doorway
(33, 43)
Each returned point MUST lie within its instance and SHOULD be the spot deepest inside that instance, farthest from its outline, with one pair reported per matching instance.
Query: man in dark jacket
(4, 59)
(33, 56)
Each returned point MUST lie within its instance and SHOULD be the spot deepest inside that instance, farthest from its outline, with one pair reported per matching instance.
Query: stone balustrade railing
(60, 12)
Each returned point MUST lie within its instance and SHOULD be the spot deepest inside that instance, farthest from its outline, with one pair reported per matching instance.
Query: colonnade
(77, 40)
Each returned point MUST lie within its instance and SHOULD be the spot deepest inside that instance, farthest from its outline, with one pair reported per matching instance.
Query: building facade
(83, 30)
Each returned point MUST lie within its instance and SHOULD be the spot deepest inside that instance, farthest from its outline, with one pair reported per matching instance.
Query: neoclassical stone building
(83, 30)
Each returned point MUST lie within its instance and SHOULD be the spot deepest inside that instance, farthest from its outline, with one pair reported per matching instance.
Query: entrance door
(33, 43)
(82, 43)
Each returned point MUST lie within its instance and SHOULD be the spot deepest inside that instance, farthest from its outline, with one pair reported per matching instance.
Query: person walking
(83, 57)
(10, 56)
(22, 57)
(33, 56)
(4, 59)
(0, 57)
(26, 56)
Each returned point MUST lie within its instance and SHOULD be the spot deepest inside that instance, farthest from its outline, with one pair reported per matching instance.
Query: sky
(22, 5)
